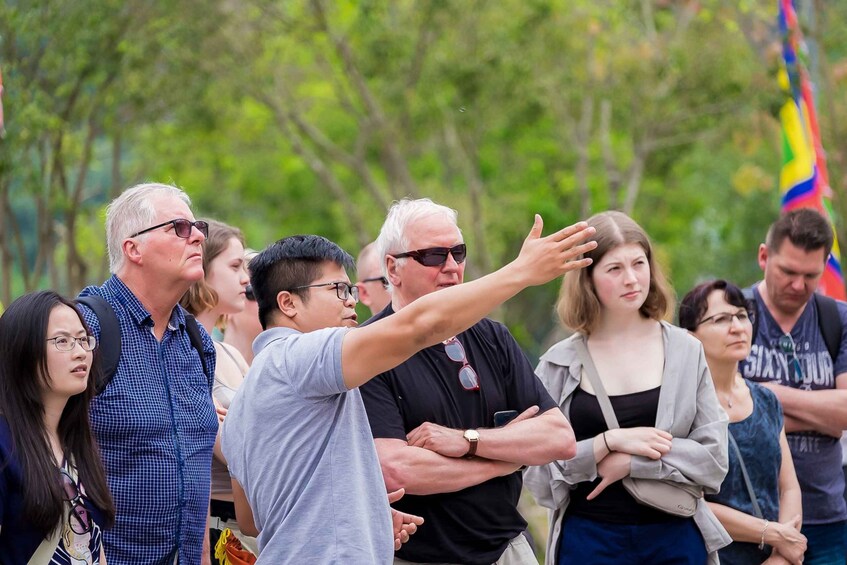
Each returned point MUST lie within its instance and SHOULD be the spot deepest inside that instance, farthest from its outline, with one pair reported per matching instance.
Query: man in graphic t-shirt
(790, 356)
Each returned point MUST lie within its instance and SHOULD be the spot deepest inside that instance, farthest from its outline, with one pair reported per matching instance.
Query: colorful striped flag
(2, 129)
(803, 181)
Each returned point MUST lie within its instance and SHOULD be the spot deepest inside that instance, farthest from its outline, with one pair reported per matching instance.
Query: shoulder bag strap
(594, 378)
(756, 509)
(829, 322)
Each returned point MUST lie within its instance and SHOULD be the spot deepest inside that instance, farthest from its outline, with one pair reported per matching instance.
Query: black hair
(291, 262)
(23, 373)
(804, 227)
(696, 302)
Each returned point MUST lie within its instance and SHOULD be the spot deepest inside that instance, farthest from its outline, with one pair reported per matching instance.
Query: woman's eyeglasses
(78, 518)
(456, 352)
(249, 294)
(724, 319)
(182, 227)
(789, 348)
(67, 343)
(435, 256)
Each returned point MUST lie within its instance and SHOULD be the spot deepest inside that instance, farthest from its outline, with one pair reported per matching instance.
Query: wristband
(764, 529)
(607, 443)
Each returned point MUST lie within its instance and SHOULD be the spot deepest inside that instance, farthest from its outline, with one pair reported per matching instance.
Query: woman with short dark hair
(764, 525)
(54, 499)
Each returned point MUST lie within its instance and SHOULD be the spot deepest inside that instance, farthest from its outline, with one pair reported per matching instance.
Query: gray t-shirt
(299, 444)
(817, 457)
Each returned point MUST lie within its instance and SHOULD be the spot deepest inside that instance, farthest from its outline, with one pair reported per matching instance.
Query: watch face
(471, 435)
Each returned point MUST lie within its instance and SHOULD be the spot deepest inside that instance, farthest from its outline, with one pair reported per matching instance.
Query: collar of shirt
(118, 289)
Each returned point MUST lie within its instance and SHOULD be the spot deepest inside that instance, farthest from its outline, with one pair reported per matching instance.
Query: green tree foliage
(312, 116)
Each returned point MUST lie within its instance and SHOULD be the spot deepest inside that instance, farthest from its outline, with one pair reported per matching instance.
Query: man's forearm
(536, 441)
(423, 472)
(819, 410)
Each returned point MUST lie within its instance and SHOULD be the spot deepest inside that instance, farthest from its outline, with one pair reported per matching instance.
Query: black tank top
(613, 505)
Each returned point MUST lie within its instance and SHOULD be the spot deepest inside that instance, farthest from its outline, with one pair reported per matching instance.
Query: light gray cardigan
(688, 409)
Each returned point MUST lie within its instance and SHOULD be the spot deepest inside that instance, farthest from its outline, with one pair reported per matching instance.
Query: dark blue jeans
(677, 542)
(827, 544)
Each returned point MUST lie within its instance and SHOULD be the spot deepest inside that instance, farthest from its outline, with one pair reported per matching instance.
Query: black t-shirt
(614, 505)
(473, 525)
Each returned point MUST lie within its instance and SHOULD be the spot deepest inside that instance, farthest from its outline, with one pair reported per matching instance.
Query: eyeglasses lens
(467, 375)
(344, 290)
(437, 257)
(182, 228)
(248, 293)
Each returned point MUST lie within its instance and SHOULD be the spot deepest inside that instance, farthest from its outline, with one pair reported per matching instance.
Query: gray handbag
(668, 496)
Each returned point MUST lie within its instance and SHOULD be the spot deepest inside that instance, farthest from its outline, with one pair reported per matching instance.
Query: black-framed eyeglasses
(249, 294)
(724, 319)
(343, 290)
(435, 256)
(467, 375)
(78, 518)
(67, 343)
(182, 227)
(789, 348)
(382, 280)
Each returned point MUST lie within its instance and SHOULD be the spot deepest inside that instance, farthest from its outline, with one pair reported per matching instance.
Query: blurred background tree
(312, 116)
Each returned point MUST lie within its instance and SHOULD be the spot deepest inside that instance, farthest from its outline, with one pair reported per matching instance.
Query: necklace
(732, 386)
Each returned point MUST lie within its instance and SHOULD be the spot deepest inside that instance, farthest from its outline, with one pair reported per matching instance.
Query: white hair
(392, 237)
(132, 212)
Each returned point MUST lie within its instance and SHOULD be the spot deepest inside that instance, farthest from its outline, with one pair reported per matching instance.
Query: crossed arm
(823, 411)
(431, 460)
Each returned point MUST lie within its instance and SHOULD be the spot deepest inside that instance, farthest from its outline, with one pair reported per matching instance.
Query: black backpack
(109, 343)
(828, 320)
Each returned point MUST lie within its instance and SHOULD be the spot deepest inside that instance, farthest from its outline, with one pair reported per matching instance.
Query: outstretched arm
(378, 347)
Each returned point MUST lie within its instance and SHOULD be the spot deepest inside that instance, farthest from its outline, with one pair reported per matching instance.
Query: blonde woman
(222, 292)
(671, 426)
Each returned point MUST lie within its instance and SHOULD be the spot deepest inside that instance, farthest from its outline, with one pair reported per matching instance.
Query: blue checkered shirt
(156, 427)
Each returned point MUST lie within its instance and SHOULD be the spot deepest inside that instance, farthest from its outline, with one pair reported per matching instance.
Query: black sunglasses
(435, 256)
(456, 352)
(182, 227)
(249, 294)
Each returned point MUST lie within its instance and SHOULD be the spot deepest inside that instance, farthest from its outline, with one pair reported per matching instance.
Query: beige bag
(668, 496)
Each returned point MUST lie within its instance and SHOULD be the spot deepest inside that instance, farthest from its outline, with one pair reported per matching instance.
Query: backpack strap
(196, 341)
(109, 342)
(830, 323)
(750, 297)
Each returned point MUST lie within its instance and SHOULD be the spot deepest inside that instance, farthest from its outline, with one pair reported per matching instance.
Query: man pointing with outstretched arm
(296, 437)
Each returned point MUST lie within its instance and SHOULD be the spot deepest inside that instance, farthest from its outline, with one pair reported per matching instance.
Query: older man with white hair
(155, 421)
(440, 420)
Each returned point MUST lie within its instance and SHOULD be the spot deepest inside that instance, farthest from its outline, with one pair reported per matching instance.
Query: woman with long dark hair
(54, 498)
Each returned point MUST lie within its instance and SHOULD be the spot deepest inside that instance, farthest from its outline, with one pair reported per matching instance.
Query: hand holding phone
(503, 417)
